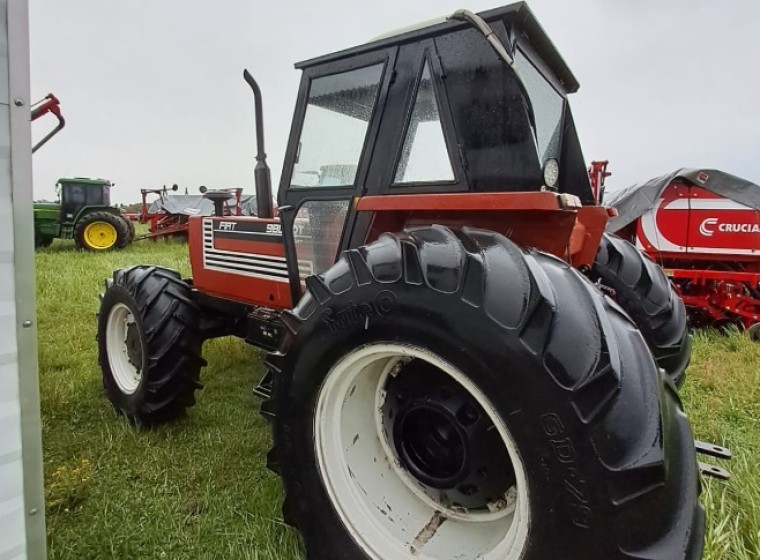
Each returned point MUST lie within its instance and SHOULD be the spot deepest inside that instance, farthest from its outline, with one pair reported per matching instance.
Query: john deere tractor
(84, 214)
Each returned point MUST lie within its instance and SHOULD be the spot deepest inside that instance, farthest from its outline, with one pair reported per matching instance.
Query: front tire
(645, 293)
(445, 395)
(149, 347)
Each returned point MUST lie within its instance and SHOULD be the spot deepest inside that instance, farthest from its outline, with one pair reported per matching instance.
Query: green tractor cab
(84, 214)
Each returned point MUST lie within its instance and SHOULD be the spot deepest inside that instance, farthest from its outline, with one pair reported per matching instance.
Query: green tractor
(83, 214)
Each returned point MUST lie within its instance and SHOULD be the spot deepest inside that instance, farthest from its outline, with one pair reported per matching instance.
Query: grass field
(198, 489)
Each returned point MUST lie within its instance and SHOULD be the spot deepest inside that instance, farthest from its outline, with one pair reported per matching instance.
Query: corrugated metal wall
(21, 509)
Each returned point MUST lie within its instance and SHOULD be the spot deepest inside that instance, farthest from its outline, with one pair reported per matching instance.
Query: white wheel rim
(376, 499)
(126, 375)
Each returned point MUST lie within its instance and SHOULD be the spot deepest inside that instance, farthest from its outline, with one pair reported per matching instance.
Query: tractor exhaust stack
(261, 171)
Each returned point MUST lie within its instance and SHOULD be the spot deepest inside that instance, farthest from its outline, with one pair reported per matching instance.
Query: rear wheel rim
(124, 348)
(387, 510)
(100, 235)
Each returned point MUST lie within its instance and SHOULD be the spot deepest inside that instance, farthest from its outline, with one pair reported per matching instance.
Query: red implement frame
(720, 297)
(165, 224)
(49, 104)
(597, 173)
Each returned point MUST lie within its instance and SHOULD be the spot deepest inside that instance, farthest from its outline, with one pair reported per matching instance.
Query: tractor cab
(81, 192)
(441, 108)
(437, 109)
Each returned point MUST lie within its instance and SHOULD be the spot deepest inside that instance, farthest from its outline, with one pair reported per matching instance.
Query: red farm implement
(169, 214)
(703, 227)
(49, 104)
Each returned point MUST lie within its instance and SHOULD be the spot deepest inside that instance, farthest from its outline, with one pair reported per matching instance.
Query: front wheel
(149, 346)
(446, 395)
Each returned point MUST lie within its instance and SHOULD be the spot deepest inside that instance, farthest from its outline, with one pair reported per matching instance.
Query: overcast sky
(152, 89)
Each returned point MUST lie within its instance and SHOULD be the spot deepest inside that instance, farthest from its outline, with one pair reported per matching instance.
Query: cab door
(333, 136)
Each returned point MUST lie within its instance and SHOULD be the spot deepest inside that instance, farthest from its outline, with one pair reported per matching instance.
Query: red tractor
(703, 227)
(444, 380)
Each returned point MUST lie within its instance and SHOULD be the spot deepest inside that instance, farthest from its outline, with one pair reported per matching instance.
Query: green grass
(198, 488)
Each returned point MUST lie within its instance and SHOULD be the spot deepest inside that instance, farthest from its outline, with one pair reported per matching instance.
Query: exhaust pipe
(261, 173)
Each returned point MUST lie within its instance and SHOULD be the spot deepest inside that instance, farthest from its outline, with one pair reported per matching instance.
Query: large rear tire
(100, 231)
(149, 346)
(444, 395)
(645, 293)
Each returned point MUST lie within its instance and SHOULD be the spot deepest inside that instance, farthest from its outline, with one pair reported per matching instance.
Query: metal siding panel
(4, 89)
(12, 518)
(22, 529)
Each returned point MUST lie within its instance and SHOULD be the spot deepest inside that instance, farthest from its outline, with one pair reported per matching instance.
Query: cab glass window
(424, 157)
(317, 231)
(85, 195)
(547, 107)
(338, 112)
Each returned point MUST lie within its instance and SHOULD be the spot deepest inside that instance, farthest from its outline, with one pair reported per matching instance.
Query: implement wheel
(645, 293)
(445, 395)
(100, 231)
(148, 344)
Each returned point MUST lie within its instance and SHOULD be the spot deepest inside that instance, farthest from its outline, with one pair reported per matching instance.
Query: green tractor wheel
(101, 231)
(130, 237)
(42, 240)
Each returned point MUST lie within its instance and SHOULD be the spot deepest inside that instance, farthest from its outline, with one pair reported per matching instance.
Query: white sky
(153, 94)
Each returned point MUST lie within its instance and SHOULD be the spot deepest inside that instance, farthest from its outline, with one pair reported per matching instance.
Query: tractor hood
(632, 202)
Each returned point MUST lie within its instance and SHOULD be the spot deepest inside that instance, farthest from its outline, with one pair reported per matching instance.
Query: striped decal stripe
(246, 264)
(242, 267)
(250, 264)
(256, 260)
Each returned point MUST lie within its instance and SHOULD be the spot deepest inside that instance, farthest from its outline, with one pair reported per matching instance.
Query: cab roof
(517, 16)
(85, 181)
